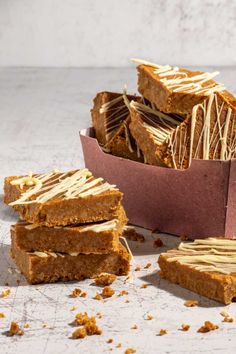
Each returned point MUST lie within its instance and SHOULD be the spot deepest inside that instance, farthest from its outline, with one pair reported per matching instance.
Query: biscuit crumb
(5, 293)
(130, 351)
(15, 330)
(110, 340)
(162, 332)
(91, 327)
(137, 269)
(76, 292)
(131, 234)
(99, 314)
(26, 325)
(144, 286)
(83, 294)
(185, 327)
(123, 292)
(2, 315)
(81, 319)
(44, 325)
(207, 327)
(191, 303)
(149, 317)
(98, 297)
(148, 265)
(127, 301)
(73, 308)
(227, 316)
(105, 279)
(108, 292)
(79, 333)
(158, 243)
(134, 327)
(119, 345)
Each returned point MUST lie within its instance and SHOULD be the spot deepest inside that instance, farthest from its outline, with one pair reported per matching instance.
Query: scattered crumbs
(27, 325)
(227, 316)
(110, 340)
(148, 265)
(191, 303)
(15, 330)
(130, 351)
(105, 279)
(79, 333)
(127, 301)
(81, 319)
(119, 345)
(137, 269)
(185, 327)
(73, 308)
(162, 332)
(98, 297)
(5, 293)
(108, 291)
(158, 243)
(183, 237)
(144, 286)
(77, 292)
(123, 292)
(89, 326)
(149, 317)
(207, 327)
(131, 234)
(44, 325)
(2, 315)
(134, 326)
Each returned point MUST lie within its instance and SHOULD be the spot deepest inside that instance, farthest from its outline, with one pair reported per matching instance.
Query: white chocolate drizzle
(212, 134)
(77, 184)
(180, 81)
(206, 255)
(105, 226)
(157, 123)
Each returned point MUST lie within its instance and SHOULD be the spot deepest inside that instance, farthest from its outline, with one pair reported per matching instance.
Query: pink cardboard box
(198, 202)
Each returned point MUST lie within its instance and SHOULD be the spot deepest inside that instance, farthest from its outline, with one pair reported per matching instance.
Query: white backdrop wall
(108, 32)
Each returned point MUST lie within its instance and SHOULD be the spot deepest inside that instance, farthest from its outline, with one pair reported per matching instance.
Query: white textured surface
(109, 32)
(41, 112)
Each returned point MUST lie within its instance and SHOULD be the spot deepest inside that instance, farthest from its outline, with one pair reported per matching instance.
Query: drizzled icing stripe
(116, 114)
(158, 124)
(180, 81)
(80, 184)
(208, 255)
(213, 140)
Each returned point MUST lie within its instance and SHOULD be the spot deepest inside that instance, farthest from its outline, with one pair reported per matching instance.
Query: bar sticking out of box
(184, 124)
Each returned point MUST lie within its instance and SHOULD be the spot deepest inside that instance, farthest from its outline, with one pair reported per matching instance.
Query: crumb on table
(157, 243)
(15, 330)
(2, 315)
(185, 327)
(131, 234)
(130, 351)
(227, 316)
(162, 332)
(148, 265)
(207, 327)
(123, 292)
(105, 279)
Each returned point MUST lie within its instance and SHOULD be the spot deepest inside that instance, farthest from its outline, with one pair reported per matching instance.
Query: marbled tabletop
(41, 113)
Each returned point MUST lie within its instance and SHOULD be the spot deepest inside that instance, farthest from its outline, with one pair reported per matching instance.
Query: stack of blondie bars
(181, 115)
(69, 228)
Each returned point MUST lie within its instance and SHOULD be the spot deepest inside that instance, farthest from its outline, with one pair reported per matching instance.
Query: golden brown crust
(61, 212)
(65, 267)
(216, 286)
(69, 239)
